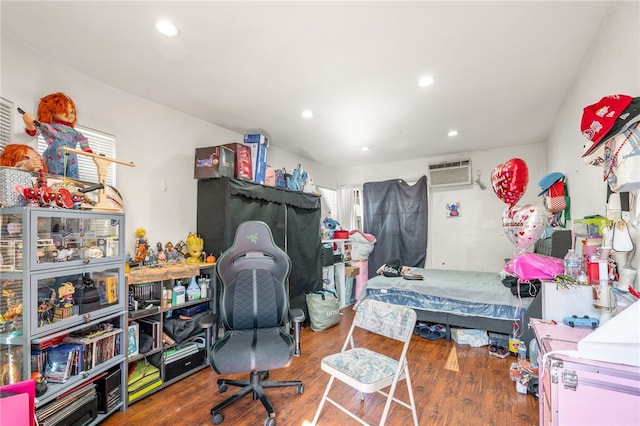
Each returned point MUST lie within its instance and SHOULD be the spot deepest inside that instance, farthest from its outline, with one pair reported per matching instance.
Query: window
(6, 119)
(100, 143)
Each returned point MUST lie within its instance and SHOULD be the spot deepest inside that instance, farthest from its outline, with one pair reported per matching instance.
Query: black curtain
(396, 214)
(294, 219)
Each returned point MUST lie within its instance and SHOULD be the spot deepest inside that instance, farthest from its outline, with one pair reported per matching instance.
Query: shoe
(426, 331)
(418, 327)
(438, 332)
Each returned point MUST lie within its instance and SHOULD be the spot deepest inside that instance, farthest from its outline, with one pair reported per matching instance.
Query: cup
(626, 278)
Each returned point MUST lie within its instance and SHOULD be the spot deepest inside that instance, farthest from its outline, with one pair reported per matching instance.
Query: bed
(464, 299)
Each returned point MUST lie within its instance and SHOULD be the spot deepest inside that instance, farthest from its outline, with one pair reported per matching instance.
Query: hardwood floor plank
(453, 385)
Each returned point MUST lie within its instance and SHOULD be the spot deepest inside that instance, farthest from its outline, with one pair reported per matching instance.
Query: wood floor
(453, 385)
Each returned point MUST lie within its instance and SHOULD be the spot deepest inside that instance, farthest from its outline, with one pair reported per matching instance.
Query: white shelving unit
(336, 272)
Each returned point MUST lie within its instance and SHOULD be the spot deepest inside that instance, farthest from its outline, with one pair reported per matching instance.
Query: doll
(56, 121)
(23, 157)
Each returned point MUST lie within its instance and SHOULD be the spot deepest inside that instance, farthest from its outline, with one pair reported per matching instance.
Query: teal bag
(324, 309)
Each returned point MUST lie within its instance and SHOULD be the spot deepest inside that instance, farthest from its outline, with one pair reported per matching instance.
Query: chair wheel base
(270, 421)
(217, 418)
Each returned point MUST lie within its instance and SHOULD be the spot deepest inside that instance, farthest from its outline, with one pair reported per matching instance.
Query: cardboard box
(242, 169)
(214, 161)
(259, 145)
(351, 271)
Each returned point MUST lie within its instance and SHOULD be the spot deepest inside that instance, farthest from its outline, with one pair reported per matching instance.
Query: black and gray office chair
(254, 313)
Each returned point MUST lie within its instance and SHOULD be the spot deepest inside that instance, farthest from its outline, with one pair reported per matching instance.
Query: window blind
(6, 119)
(101, 143)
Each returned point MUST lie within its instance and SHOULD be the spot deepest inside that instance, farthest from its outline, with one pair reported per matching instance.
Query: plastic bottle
(193, 290)
(522, 352)
(178, 294)
(572, 264)
(534, 352)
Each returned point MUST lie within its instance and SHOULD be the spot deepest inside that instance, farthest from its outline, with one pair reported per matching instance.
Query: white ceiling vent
(451, 173)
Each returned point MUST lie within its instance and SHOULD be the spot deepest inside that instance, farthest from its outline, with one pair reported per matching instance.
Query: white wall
(159, 140)
(612, 67)
(475, 240)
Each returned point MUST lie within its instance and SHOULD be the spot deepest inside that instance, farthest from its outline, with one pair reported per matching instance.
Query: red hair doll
(23, 157)
(56, 122)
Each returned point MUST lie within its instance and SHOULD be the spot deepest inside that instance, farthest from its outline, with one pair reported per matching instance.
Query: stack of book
(97, 346)
(80, 406)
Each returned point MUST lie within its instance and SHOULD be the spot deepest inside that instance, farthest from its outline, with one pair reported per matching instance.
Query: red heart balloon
(509, 180)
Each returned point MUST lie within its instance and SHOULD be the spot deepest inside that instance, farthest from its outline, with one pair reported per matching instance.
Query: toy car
(585, 321)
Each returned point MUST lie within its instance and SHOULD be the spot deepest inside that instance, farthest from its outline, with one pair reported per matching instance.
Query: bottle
(572, 264)
(522, 352)
(193, 290)
(178, 294)
(583, 279)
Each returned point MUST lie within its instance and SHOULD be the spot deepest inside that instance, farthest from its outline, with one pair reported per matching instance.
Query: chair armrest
(297, 317)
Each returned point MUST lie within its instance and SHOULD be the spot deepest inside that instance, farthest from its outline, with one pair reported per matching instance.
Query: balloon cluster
(524, 225)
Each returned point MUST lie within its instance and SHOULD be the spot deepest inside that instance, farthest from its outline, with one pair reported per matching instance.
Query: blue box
(192, 310)
(259, 145)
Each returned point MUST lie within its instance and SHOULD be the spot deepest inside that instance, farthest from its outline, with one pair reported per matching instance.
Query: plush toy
(56, 121)
(330, 225)
(296, 181)
(23, 157)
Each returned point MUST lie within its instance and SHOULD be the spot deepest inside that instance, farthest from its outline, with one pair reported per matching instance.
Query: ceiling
(501, 69)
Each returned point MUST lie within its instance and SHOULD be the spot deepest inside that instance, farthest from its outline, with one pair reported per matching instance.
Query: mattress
(467, 293)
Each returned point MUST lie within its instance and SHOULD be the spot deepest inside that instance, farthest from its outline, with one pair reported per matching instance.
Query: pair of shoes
(434, 332)
(418, 328)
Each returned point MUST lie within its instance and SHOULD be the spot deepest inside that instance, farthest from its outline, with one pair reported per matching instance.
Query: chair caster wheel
(300, 389)
(222, 388)
(217, 418)
(270, 421)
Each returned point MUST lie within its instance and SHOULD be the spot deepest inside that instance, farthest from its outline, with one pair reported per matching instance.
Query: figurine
(195, 244)
(162, 257)
(65, 295)
(142, 246)
(56, 122)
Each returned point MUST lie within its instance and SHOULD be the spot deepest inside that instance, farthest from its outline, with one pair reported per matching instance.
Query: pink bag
(532, 266)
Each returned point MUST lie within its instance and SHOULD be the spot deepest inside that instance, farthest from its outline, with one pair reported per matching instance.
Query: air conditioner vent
(451, 173)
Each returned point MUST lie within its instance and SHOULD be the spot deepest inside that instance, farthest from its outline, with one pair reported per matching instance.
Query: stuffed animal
(56, 121)
(296, 181)
(330, 225)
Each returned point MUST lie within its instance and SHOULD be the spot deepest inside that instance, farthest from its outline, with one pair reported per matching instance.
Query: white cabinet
(558, 303)
(334, 276)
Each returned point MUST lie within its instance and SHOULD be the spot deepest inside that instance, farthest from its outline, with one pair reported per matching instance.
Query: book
(151, 327)
(59, 362)
(133, 338)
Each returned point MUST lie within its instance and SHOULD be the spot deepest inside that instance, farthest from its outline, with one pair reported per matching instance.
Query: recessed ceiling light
(364, 148)
(167, 28)
(452, 133)
(307, 113)
(425, 81)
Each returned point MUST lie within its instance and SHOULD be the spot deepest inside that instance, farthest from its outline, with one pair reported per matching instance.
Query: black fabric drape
(294, 219)
(396, 214)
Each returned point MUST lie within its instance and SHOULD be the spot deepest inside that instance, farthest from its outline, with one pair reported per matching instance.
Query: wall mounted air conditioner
(450, 173)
